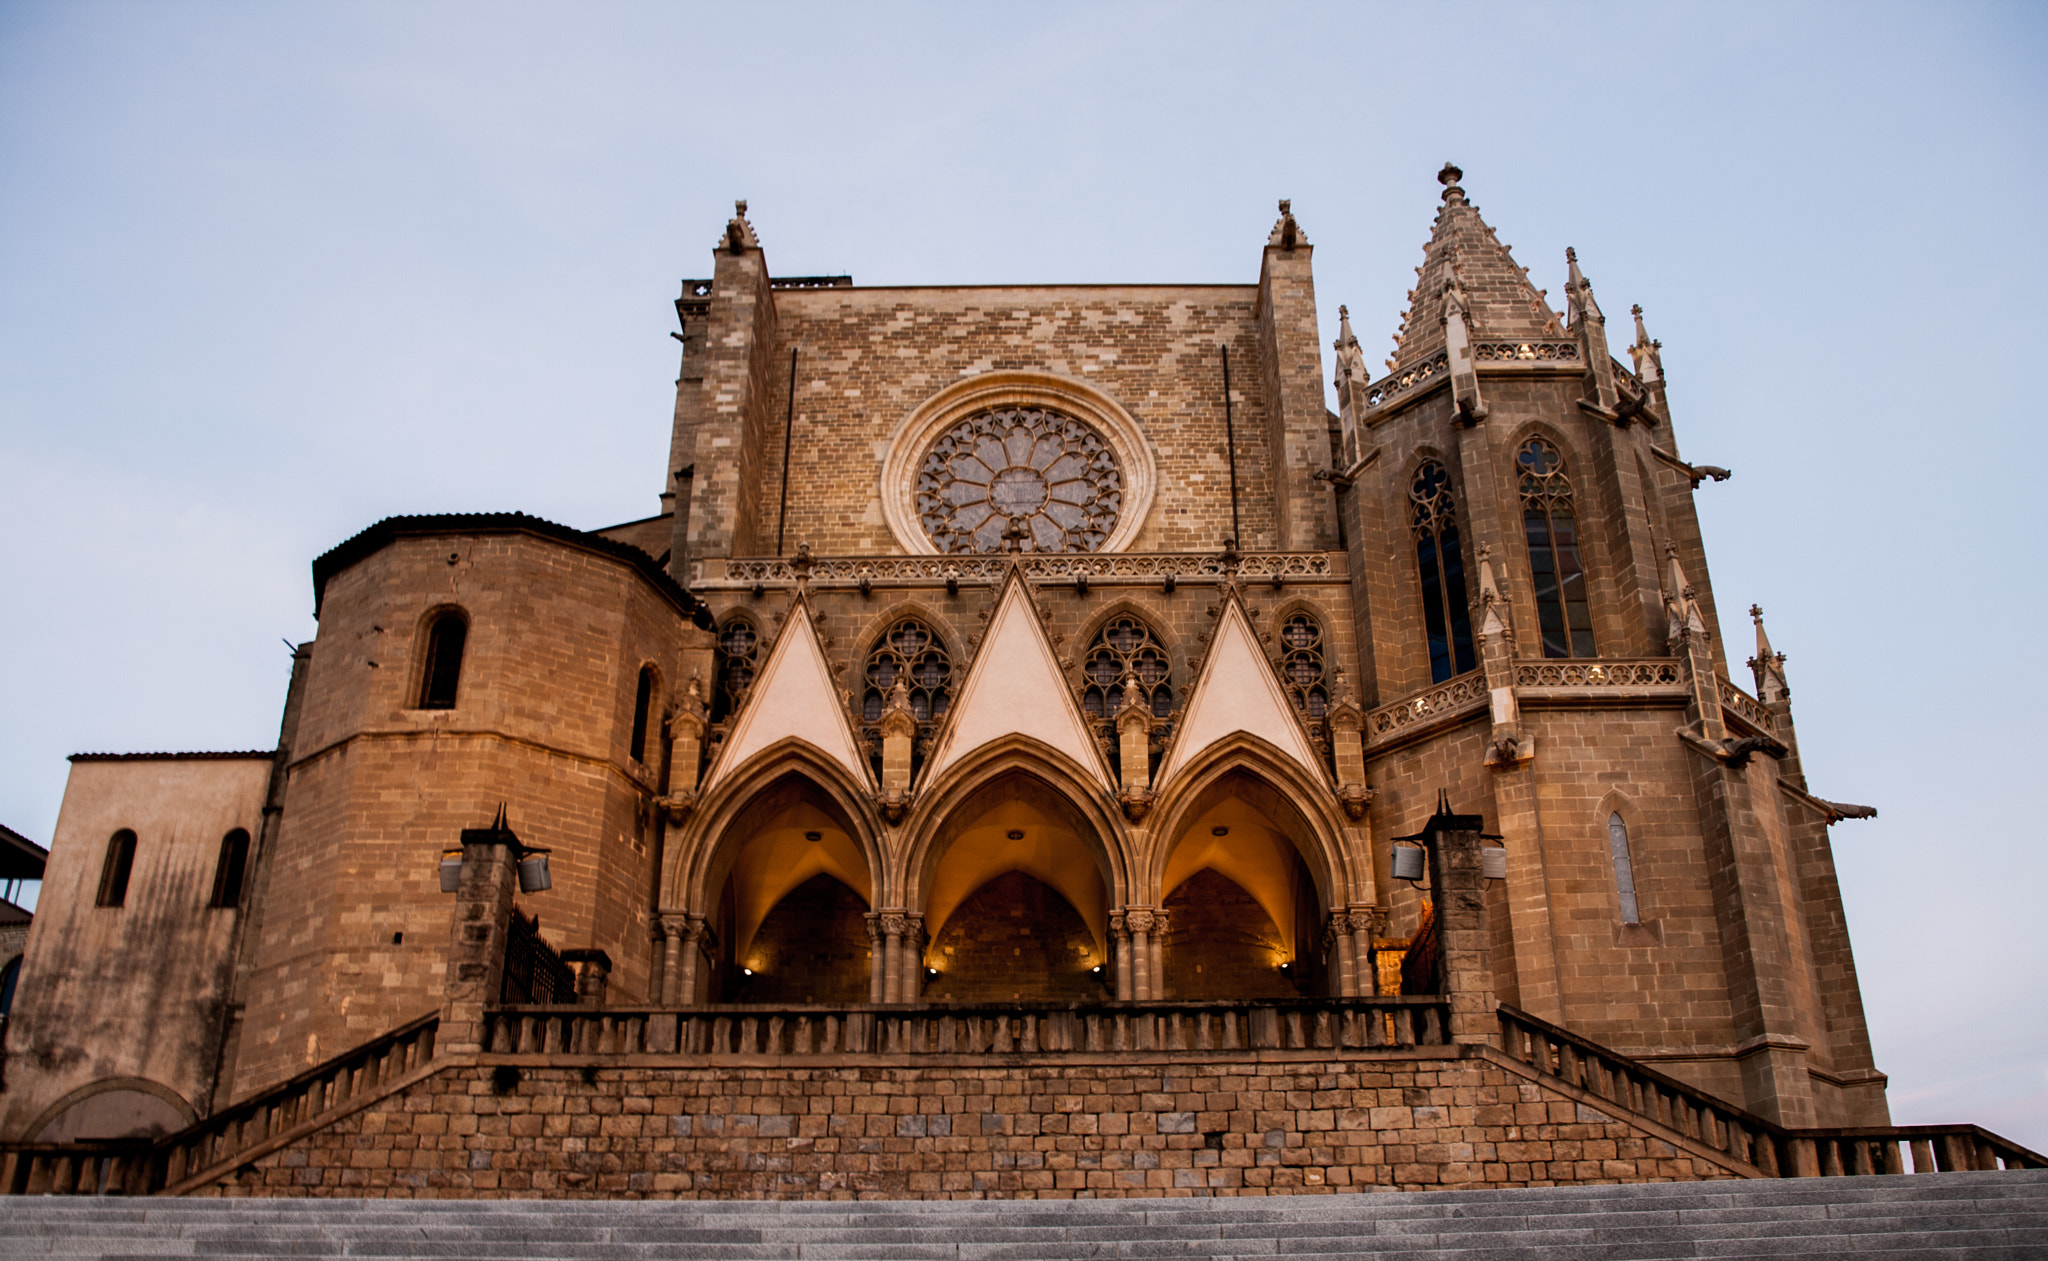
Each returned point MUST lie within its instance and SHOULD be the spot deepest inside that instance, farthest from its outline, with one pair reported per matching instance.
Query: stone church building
(1008, 668)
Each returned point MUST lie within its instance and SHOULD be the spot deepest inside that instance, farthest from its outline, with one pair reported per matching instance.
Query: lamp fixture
(814, 837)
(1219, 830)
(1015, 834)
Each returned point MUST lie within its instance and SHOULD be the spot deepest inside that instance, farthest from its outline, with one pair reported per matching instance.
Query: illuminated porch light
(746, 972)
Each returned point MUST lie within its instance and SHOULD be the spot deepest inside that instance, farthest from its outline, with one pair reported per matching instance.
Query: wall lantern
(534, 876)
(1493, 862)
(1409, 861)
(451, 871)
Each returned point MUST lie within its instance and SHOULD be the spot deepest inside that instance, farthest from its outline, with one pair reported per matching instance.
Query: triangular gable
(1237, 691)
(1014, 687)
(792, 696)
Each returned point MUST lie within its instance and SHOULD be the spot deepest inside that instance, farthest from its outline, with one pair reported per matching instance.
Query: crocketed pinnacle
(1496, 296)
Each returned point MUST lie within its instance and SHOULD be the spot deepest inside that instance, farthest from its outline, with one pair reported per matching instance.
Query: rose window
(1022, 476)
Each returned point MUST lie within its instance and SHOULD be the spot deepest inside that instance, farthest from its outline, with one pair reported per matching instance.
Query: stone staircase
(2001, 1214)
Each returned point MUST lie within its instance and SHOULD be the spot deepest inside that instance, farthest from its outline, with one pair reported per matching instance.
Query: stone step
(1981, 1215)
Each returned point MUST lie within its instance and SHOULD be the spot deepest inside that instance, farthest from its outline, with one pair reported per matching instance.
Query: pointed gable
(1237, 691)
(1014, 687)
(792, 696)
(1498, 299)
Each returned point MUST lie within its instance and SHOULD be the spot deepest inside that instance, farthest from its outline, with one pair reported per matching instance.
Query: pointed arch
(1018, 763)
(702, 855)
(1282, 790)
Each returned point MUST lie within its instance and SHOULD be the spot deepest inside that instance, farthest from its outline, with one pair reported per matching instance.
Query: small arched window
(1126, 646)
(913, 652)
(1440, 565)
(1554, 569)
(229, 872)
(114, 871)
(739, 650)
(445, 640)
(643, 706)
(1624, 870)
(1302, 665)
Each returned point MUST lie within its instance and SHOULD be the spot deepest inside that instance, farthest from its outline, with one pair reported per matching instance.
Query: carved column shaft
(911, 985)
(877, 959)
(1361, 951)
(1337, 938)
(672, 930)
(1120, 937)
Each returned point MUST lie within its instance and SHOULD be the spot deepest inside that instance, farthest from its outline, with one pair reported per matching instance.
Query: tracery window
(913, 652)
(1555, 573)
(1028, 475)
(1302, 666)
(1624, 870)
(1440, 564)
(1126, 646)
(443, 674)
(739, 650)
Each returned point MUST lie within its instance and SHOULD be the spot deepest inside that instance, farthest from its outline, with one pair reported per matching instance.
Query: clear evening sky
(271, 272)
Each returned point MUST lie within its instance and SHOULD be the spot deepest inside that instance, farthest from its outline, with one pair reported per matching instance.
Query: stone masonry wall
(866, 357)
(1044, 1131)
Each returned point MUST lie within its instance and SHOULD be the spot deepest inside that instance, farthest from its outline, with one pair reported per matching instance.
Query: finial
(1449, 178)
(1756, 613)
(1286, 206)
(739, 207)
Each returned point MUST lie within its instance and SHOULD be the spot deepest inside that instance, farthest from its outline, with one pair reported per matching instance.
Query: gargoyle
(1737, 752)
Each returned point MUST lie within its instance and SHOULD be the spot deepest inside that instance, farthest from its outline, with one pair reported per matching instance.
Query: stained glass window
(1555, 573)
(1440, 564)
(1044, 480)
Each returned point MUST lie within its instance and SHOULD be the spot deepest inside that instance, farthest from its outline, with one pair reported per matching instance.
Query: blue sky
(271, 272)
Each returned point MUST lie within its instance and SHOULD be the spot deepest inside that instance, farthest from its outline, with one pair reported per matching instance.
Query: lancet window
(1555, 572)
(1624, 870)
(114, 870)
(739, 652)
(643, 707)
(229, 872)
(1302, 666)
(1440, 565)
(910, 651)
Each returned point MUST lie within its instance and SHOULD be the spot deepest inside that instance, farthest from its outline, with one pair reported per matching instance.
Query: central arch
(1016, 872)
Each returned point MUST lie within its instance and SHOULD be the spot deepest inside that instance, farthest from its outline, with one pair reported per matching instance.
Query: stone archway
(1015, 892)
(790, 840)
(1244, 912)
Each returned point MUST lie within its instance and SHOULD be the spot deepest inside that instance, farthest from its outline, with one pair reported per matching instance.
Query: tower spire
(1352, 375)
(1495, 297)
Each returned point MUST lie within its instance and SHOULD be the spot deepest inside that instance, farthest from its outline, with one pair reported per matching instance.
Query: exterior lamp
(1409, 860)
(1493, 861)
(533, 872)
(451, 871)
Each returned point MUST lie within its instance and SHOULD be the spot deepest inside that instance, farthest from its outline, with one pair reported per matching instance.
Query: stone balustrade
(1045, 1029)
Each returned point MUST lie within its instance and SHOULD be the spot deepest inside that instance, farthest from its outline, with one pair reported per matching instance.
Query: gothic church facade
(1012, 644)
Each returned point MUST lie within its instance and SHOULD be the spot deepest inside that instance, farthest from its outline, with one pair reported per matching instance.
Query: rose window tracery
(1023, 476)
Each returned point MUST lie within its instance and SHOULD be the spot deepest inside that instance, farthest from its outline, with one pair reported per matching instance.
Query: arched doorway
(793, 888)
(1244, 914)
(1016, 899)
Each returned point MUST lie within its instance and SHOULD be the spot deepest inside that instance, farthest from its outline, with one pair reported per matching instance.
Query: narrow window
(1555, 573)
(643, 701)
(1126, 647)
(227, 876)
(1624, 869)
(444, 661)
(1301, 638)
(913, 652)
(738, 650)
(114, 872)
(1440, 564)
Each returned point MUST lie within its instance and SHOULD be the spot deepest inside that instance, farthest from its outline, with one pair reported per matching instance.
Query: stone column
(476, 947)
(877, 984)
(1463, 940)
(912, 949)
(673, 925)
(1337, 940)
(1365, 925)
(1140, 923)
(695, 930)
(1120, 941)
(892, 956)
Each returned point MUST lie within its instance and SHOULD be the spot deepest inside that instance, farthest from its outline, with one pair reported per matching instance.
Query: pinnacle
(1497, 298)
